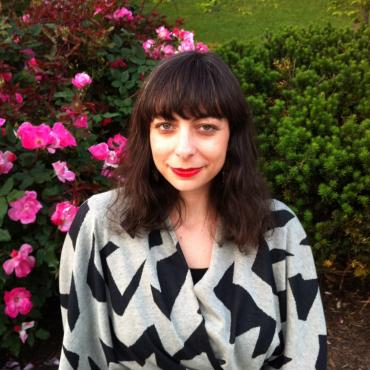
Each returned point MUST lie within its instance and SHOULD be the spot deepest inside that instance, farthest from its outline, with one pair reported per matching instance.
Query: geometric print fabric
(130, 303)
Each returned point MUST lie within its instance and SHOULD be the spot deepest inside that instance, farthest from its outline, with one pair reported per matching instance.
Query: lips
(186, 172)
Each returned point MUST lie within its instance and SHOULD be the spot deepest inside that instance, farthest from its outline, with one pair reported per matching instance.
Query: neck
(195, 209)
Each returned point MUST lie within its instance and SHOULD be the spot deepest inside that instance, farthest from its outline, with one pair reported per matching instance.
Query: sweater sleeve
(303, 327)
(82, 295)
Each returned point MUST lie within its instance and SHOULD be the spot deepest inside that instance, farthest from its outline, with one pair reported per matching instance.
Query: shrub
(310, 93)
(69, 71)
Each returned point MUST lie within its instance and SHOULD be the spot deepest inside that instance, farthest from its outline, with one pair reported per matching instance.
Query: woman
(188, 264)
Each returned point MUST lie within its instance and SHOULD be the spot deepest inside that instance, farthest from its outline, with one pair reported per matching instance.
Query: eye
(164, 126)
(208, 128)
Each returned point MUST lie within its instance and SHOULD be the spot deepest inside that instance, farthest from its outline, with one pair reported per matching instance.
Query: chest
(196, 246)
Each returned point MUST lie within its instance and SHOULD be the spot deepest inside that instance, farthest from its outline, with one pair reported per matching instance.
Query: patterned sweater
(130, 303)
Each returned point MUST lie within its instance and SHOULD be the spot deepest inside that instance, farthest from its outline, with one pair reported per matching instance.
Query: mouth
(186, 172)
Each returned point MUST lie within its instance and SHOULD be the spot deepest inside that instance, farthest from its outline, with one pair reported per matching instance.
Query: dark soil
(347, 311)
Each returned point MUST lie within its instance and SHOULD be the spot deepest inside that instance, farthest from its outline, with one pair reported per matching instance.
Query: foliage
(357, 10)
(46, 169)
(241, 6)
(310, 93)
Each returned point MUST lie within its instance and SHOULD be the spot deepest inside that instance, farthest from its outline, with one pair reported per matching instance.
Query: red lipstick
(186, 172)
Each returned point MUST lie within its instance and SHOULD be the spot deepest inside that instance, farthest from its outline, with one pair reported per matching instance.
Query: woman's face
(189, 153)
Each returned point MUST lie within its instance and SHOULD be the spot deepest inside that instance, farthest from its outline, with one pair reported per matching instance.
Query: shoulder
(101, 202)
(93, 213)
(286, 225)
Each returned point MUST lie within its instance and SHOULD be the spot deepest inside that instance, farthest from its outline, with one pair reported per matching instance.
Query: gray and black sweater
(131, 303)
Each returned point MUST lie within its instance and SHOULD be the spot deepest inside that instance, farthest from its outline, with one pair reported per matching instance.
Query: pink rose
(186, 45)
(2, 121)
(28, 52)
(186, 36)
(163, 33)
(123, 13)
(99, 151)
(98, 10)
(4, 97)
(81, 121)
(17, 301)
(168, 50)
(118, 63)
(63, 215)
(6, 160)
(203, 48)
(7, 76)
(117, 143)
(62, 171)
(22, 330)
(25, 208)
(148, 44)
(60, 138)
(26, 18)
(18, 98)
(80, 80)
(34, 137)
(112, 159)
(32, 63)
(20, 262)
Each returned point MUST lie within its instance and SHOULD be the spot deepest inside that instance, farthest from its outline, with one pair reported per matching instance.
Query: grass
(247, 20)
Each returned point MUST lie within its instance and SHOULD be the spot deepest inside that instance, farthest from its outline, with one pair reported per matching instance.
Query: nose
(185, 147)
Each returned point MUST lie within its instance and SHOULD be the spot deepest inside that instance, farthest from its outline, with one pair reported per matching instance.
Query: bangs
(192, 89)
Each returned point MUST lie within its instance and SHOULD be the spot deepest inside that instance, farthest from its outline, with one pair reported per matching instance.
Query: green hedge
(310, 93)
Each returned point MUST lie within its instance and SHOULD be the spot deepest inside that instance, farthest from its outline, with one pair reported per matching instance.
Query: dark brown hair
(193, 85)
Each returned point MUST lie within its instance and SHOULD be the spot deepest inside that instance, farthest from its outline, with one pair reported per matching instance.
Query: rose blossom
(81, 121)
(63, 215)
(123, 13)
(203, 48)
(62, 171)
(21, 330)
(25, 208)
(7, 76)
(163, 33)
(18, 98)
(26, 18)
(98, 10)
(117, 143)
(118, 63)
(186, 45)
(168, 50)
(2, 121)
(6, 160)
(112, 159)
(99, 151)
(17, 301)
(28, 52)
(60, 138)
(80, 80)
(20, 262)
(34, 137)
(148, 44)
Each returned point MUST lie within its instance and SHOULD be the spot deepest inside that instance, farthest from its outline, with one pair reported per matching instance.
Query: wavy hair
(193, 85)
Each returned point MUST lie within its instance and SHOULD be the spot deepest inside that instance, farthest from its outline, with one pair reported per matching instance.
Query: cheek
(159, 148)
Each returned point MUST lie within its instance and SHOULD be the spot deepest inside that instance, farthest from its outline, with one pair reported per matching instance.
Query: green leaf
(3, 209)
(42, 334)
(50, 191)
(27, 159)
(117, 40)
(14, 195)
(4, 235)
(27, 181)
(7, 187)
(10, 134)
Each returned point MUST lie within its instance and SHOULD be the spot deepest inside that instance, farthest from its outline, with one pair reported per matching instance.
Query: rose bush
(69, 71)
